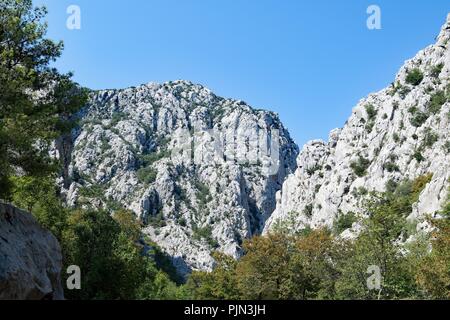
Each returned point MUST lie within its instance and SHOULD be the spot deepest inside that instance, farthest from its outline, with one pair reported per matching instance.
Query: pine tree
(37, 103)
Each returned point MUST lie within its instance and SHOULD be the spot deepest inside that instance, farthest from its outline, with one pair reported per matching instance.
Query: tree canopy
(37, 103)
(321, 265)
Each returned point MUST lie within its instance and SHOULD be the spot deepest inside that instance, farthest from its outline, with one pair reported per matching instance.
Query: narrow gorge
(203, 173)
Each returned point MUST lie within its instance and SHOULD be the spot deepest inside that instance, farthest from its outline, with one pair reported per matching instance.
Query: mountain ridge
(399, 132)
(198, 169)
(149, 149)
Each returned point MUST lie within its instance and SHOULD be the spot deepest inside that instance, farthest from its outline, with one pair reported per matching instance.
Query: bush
(371, 112)
(430, 138)
(94, 191)
(206, 235)
(312, 170)
(308, 210)
(390, 167)
(396, 137)
(391, 185)
(371, 117)
(362, 191)
(437, 100)
(360, 166)
(436, 70)
(394, 88)
(157, 221)
(403, 91)
(412, 110)
(446, 147)
(203, 194)
(419, 119)
(151, 158)
(344, 222)
(116, 118)
(414, 77)
(182, 222)
(147, 175)
(418, 156)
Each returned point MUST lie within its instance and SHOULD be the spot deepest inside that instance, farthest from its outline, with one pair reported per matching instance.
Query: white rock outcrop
(30, 258)
(397, 133)
(201, 171)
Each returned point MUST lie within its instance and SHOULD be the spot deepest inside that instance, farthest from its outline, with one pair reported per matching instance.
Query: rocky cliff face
(201, 171)
(399, 132)
(30, 258)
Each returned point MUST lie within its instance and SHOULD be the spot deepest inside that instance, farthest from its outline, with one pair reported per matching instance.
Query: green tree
(220, 284)
(433, 271)
(128, 223)
(110, 255)
(281, 266)
(414, 77)
(312, 269)
(89, 242)
(36, 101)
(41, 197)
(379, 244)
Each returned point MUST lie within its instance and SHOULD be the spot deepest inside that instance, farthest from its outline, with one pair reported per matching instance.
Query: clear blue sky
(309, 61)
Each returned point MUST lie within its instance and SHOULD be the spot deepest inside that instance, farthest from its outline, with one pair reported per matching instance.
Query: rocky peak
(199, 170)
(444, 35)
(399, 132)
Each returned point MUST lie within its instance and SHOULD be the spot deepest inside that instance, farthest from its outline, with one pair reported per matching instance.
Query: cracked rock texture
(30, 258)
(199, 170)
(397, 133)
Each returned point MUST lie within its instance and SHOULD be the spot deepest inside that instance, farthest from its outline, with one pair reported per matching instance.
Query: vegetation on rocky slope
(319, 265)
(119, 262)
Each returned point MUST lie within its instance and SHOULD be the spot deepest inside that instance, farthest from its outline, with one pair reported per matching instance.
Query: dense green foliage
(433, 272)
(319, 265)
(147, 175)
(438, 99)
(371, 117)
(109, 249)
(436, 70)
(37, 106)
(343, 222)
(371, 112)
(414, 77)
(117, 262)
(418, 119)
(360, 166)
(36, 102)
(316, 264)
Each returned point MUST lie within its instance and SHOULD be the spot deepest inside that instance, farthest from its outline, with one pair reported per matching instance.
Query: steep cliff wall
(401, 132)
(201, 171)
(30, 258)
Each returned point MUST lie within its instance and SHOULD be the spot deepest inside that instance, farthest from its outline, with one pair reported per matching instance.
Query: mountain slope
(400, 132)
(199, 170)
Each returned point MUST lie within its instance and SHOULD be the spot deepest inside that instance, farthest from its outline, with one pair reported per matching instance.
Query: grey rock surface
(30, 258)
(401, 132)
(199, 170)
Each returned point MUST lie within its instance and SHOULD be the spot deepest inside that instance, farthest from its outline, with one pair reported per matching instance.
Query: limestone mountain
(199, 170)
(203, 172)
(401, 132)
